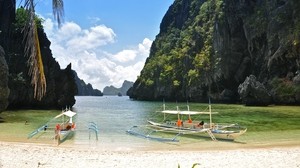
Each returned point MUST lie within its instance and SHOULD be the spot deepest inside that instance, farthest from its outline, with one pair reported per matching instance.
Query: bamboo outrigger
(189, 127)
(63, 126)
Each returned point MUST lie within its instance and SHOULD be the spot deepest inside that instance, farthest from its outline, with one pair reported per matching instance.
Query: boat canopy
(187, 112)
(68, 113)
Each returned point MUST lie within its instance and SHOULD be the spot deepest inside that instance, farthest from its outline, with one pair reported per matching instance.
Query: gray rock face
(296, 79)
(253, 92)
(4, 90)
(111, 90)
(85, 89)
(248, 37)
(61, 86)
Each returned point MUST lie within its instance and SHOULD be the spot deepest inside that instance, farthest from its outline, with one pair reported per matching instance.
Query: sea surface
(114, 115)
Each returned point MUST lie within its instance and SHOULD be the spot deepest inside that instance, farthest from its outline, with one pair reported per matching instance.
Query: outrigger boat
(62, 124)
(191, 127)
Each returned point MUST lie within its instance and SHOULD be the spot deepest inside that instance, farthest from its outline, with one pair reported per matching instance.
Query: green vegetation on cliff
(61, 86)
(178, 57)
(22, 17)
(208, 48)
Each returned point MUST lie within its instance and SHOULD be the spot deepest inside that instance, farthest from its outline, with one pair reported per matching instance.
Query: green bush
(283, 88)
(22, 19)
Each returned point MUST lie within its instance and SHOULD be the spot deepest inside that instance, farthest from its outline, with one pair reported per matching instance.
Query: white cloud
(145, 46)
(82, 48)
(92, 38)
(125, 55)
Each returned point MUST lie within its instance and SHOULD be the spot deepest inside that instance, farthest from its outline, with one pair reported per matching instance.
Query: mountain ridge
(85, 89)
(111, 90)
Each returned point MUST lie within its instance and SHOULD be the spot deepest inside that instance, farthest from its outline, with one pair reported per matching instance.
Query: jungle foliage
(22, 17)
(182, 53)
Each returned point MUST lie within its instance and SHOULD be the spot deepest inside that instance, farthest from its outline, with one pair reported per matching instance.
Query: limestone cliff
(208, 48)
(61, 87)
(4, 90)
(85, 89)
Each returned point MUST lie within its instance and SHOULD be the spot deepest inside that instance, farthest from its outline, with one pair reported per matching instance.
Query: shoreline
(18, 154)
(141, 144)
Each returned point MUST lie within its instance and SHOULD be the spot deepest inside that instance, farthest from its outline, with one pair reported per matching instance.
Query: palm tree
(32, 46)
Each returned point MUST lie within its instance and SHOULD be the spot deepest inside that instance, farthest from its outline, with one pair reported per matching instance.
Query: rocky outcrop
(253, 92)
(61, 86)
(4, 90)
(208, 48)
(7, 17)
(85, 89)
(111, 90)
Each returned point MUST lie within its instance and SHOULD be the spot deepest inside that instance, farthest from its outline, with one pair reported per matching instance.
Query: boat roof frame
(187, 112)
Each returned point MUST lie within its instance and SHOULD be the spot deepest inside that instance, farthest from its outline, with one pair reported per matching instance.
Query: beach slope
(29, 155)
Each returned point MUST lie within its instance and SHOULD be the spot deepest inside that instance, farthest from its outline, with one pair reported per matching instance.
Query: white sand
(23, 155)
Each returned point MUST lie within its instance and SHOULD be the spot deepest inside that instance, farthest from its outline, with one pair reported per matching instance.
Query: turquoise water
(114, 115)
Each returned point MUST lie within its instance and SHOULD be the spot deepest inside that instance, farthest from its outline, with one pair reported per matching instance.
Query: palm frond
(33, 52)
(32, 46)
(58, 10)
(37, 71)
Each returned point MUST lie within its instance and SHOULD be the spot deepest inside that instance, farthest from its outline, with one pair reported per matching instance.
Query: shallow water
(114, 115)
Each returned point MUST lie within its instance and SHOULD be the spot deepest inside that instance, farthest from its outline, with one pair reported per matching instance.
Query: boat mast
(164, 108)
(210, 118)
(188, 108)
(178, 113)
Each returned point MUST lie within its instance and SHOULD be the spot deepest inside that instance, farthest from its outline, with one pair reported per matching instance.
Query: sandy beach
(17, 154)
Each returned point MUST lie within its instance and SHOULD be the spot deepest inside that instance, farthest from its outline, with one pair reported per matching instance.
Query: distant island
(111, 90)
(85, 89)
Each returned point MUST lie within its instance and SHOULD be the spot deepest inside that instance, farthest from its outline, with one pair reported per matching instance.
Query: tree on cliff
(208, 48)
(32, 46)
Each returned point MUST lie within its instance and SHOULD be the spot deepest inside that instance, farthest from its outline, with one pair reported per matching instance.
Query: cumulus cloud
(82, 48)
(130, 55)
(125, 55)
(90, 39)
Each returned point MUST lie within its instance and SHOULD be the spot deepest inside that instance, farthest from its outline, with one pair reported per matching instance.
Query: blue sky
(107, 41)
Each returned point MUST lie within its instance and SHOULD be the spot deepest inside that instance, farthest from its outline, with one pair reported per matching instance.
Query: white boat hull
(203, 132)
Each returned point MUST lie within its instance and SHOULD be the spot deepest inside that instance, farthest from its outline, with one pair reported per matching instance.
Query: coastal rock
(7, 16)
(207, 47)
(296, 79)
(4, 90)
(85, 89)
(61, 86)
(253, 92)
